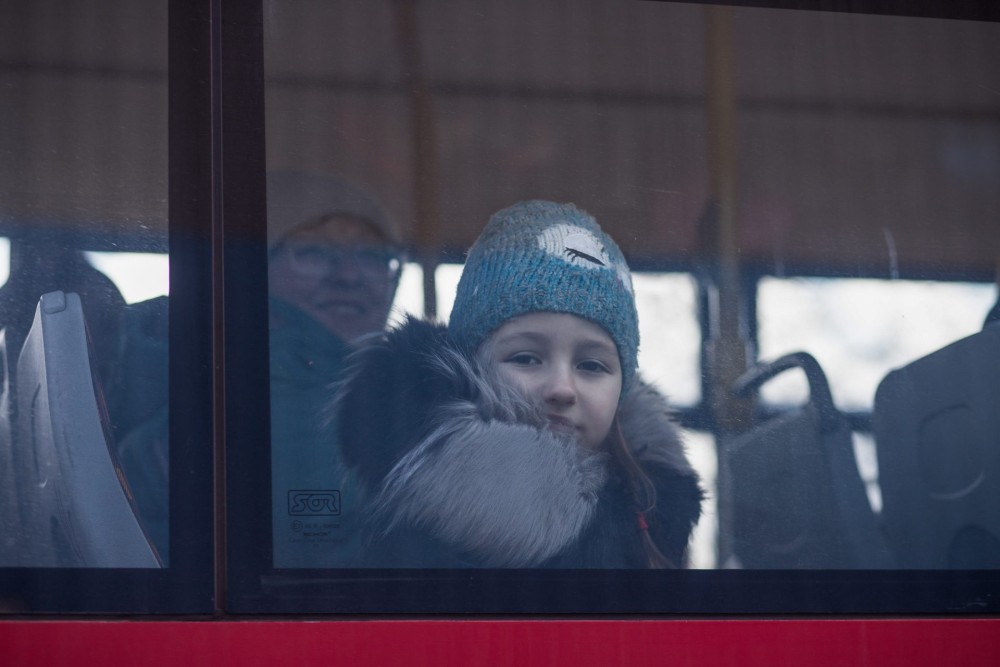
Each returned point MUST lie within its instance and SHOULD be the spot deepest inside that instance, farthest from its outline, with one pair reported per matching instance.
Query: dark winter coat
(463, 473)
(306, 466)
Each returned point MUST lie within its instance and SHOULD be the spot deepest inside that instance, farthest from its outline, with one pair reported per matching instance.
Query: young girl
(520, 435)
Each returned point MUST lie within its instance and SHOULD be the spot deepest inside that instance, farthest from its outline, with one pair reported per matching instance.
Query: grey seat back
(937, 426)
(794, 497)
(74, 506)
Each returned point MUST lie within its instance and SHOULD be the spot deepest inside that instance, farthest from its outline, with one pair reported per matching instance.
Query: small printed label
(318, 530)
(314, 503)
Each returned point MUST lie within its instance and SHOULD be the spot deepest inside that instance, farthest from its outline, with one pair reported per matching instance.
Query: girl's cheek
(520, 379)
(509, 373)
(523, 381)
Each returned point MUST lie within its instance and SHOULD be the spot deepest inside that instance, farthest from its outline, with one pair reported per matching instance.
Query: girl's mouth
(561, 425)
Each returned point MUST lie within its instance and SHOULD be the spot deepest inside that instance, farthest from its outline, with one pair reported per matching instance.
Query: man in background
(333, 266)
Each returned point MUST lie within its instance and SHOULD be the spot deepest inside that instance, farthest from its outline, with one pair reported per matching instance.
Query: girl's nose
(560, 388)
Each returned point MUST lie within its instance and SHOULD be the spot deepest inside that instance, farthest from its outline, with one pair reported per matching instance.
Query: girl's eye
(523, 359)
(593, 366)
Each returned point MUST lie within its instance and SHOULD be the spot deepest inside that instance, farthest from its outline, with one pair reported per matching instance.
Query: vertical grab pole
(424, 149)
(726, 350)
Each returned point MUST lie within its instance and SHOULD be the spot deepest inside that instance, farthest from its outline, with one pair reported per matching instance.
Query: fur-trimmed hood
(445, 447)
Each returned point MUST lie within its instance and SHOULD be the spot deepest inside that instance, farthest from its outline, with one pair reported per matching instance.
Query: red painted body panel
(747, 643)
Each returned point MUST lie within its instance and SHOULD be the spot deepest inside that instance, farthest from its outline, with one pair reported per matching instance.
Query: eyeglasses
(317, 260)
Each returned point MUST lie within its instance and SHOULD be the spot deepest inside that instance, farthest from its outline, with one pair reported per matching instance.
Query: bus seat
(138, 392)
(795, 497)
(42, 266)
(5, 397)
(75, 506)
(937, 427)
(139, 405)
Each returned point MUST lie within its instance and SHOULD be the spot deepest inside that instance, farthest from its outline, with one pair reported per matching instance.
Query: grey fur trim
(510, 494)
(489, 479)
(492, 481)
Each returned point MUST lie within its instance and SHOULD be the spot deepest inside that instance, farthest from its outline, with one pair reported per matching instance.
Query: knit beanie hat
(539, 256)
(295, 198)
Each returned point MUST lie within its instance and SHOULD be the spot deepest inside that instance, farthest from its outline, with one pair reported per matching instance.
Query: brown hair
(643, 494)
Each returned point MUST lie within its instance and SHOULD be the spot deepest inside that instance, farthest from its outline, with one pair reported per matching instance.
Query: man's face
(341, 272)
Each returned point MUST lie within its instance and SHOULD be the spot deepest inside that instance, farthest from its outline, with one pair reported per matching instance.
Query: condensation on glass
(811, 184)
(83, 308)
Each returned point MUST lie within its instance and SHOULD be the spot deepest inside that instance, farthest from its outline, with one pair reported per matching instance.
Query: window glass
(4, 260)
(670, 353)
(83, 189)
(859, 330)
(409, 295)
(704, 540)
(867, 460)
(447, 276)
(139, 276)
(346, 178)
(713, 145)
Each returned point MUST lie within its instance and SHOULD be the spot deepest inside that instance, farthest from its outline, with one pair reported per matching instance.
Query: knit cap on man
(296, 198)
(540, 256)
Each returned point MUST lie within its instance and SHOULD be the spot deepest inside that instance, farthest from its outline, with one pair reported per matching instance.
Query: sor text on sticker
(312, 502)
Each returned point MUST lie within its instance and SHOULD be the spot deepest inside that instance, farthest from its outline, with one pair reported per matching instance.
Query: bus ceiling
(741, 169)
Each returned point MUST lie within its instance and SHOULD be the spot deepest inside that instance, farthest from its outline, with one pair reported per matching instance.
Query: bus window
(409, 295)
(138, 275)
(447, 276)
(90, 163)
(704, 553)
(4, 260)
(860, 329)
(90, 313)
(714, 145)
(671, 353)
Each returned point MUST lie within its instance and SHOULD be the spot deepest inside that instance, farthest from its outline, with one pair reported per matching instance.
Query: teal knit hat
(539, 256)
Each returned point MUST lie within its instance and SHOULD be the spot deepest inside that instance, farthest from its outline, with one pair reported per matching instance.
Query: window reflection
(334, 260)
(812, 149)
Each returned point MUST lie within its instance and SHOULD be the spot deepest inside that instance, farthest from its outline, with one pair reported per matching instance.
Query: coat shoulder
(390, 385)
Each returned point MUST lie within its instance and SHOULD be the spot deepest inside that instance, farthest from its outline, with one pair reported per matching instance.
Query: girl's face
(569, 365)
